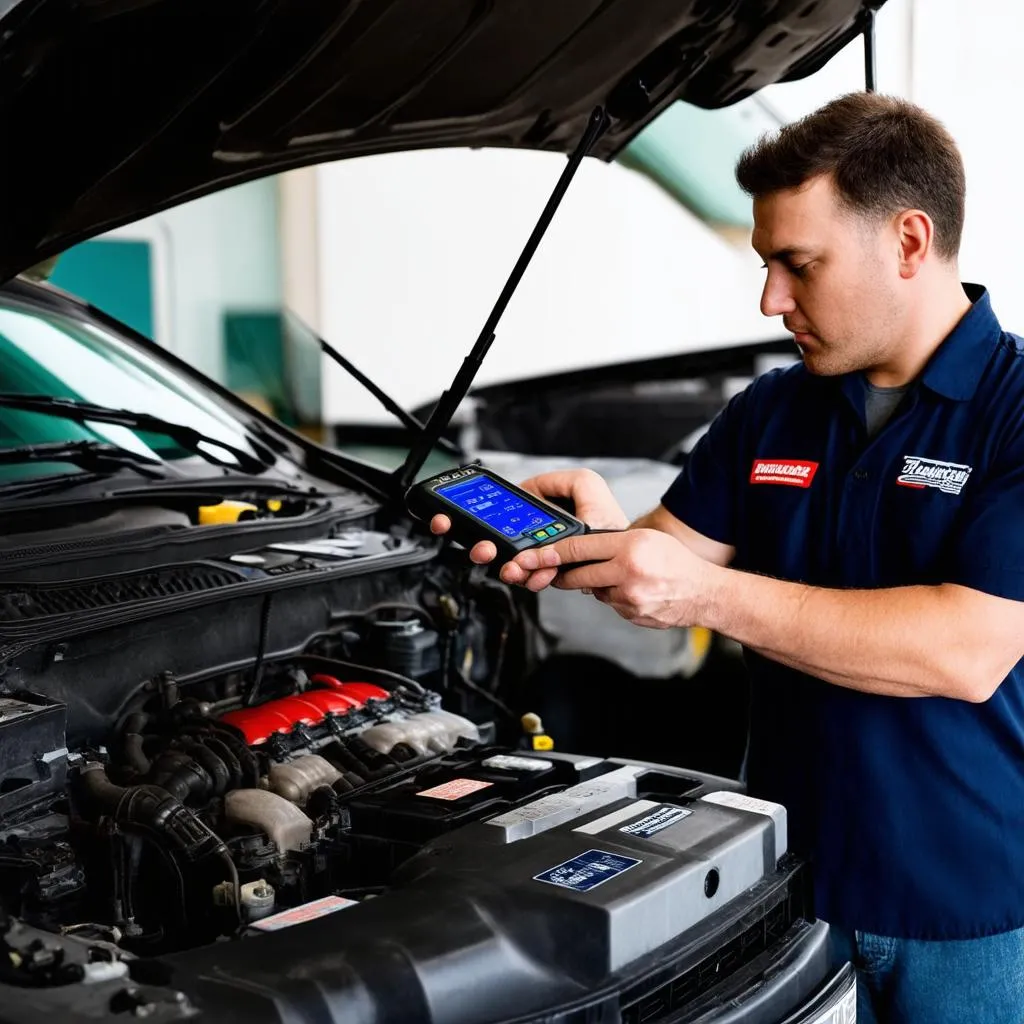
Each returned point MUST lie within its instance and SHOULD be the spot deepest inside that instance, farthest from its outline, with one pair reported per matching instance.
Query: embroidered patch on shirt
(919, 473)
(791, 472)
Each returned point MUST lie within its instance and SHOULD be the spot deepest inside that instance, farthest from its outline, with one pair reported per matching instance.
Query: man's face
(831, 276)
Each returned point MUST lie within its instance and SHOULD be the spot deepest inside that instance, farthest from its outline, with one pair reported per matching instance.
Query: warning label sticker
(587, 871)
(307, 912)
(455, 789)
(650, 824)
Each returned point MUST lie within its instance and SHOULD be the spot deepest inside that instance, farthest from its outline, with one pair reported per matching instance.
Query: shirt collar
(956, 366)
(958, 363)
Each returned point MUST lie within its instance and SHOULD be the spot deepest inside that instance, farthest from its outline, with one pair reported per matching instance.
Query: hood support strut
(869, 51)
(450, 399)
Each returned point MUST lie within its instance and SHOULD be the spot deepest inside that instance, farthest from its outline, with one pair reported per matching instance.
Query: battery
(629, 872)
(33, 751)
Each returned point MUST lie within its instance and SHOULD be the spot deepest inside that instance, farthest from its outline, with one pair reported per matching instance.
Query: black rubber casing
(424, 502)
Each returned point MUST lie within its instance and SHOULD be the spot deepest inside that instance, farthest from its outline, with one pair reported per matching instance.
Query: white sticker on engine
(622, 814)
(513, 763)
(742, 802)
(663, 817)
(551, 811)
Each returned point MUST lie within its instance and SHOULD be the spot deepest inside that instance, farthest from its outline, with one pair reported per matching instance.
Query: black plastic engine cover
(461, 953)
(490, 924)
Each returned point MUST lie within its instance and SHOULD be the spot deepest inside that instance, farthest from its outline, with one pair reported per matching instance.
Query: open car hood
(111, 110)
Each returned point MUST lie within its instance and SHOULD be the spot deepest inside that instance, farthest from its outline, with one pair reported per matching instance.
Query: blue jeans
(910, 981)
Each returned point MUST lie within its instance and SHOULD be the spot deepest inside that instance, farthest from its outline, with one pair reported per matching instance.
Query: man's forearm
(907, 642)
(904, 642)
(710, 550)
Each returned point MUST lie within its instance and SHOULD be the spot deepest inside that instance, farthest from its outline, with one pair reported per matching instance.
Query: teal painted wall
(176, 275)
(114, 274)
(692, 154)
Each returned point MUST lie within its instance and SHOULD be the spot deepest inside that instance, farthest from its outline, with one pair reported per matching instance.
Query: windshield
(46, 353)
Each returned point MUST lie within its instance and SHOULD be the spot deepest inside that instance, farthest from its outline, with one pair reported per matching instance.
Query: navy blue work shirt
(910, 809)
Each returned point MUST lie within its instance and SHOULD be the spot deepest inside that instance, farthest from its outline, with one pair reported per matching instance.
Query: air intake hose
(182, 776)
(149, 808)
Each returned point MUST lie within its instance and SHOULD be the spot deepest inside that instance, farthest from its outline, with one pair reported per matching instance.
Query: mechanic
(855, 521)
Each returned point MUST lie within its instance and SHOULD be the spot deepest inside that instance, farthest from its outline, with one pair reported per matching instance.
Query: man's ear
(915, 234)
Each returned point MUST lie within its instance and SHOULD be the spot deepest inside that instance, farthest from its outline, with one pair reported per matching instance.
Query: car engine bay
(203, 761)
(200, 821)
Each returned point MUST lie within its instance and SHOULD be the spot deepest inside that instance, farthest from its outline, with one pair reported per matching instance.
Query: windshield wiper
(92, 456)
(96, 460)
(188, 437)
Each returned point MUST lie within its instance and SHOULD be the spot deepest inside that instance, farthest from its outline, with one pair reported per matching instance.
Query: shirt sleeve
(706, 494)
(988, 551)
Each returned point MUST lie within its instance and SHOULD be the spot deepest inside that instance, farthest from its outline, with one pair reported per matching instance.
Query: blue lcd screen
(495, 505)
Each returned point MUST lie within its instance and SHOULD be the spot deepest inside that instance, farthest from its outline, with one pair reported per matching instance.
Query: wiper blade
(92, 456)
(17, 490)
(97, 461)
(188, 437)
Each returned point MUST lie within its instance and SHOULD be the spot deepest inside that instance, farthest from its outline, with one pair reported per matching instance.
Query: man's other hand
(650, 578)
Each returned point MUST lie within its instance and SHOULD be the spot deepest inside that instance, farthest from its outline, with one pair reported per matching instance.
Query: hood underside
(111, 110)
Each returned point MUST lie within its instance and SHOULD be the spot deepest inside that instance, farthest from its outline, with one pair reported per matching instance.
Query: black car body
(259, 750)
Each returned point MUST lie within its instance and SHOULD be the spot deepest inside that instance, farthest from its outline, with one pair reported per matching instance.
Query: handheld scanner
(484, 506)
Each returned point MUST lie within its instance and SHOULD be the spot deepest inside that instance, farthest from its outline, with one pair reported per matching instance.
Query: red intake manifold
(310, 708)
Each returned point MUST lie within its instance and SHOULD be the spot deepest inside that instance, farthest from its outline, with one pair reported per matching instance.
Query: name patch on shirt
(791, 472)
(919, 473)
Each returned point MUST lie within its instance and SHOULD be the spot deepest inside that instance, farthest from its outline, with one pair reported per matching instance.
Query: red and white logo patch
(790, 472)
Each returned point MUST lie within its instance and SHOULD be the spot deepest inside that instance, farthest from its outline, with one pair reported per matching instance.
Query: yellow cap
(274, 504)
(224, 512)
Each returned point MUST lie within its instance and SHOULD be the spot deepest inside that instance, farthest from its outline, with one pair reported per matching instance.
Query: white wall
(297, 217)
(967, 72)
(213, 254)
(415, 247)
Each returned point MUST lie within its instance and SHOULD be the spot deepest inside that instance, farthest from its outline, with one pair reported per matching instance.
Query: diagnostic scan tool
(484, 506)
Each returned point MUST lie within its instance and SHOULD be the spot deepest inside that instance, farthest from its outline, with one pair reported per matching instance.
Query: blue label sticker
(587, 871)
(661, 817)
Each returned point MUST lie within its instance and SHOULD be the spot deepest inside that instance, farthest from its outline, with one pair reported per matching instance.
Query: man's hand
(592, 500)
(650, 578)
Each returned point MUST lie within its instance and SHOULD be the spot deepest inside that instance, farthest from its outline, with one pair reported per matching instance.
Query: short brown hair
(884, 154)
